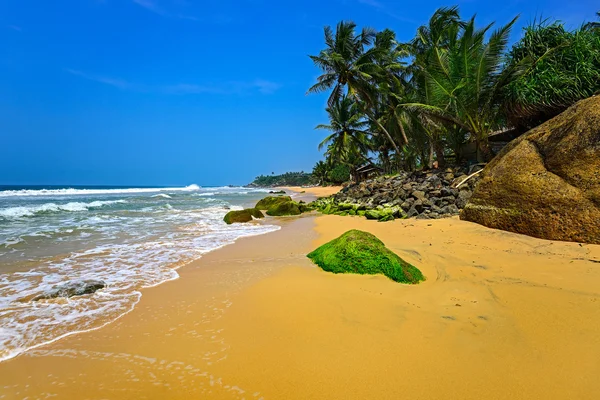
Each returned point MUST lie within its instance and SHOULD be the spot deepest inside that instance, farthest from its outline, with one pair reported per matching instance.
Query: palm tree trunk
(404, 137)
(387, 134)
(484, 151)
(439, 153)
(373, 119)
(430, 157)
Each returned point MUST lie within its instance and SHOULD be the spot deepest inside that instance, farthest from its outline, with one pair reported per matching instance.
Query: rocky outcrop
(271, 201)
(360, 252)
(546, 183)
(72, 289)
(425, 195)
(242, 216)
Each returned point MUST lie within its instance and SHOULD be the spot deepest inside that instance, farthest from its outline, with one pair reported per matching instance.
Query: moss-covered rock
(345, 206)
(372, 214)
(271, 201)
(255, 212)
(386, 218)
(283, 209)
(304, 207)
(241, 216)
(362, 253)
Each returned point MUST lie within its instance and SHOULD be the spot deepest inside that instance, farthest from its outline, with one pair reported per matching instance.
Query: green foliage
(271, 201)
(567, 69)
(287, 179)
(362, 253)
(241, 216)
(320, 172)
(339, 174)
(347, 144)
(412, 103)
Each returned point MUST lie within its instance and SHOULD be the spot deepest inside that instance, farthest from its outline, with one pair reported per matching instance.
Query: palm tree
(593, 25)
(428, 46)
(347, 144)
(349, 67)
(464, 79)
(320, 171)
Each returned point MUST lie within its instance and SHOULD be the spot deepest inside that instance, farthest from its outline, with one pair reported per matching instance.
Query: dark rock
(72, 289)
(463, 198)
(418, 205)
(450, 209)
(446, 192)
(412, 212)
(405, 205)
(419, 195)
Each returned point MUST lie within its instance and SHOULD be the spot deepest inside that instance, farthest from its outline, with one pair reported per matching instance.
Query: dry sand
(317, 191)
(501, 316)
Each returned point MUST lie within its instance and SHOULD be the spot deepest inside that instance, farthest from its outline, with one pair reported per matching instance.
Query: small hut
(367, 171)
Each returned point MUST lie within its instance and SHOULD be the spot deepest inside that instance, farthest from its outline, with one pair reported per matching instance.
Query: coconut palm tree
(349, 67)
(464, 79)
(348, 141)
(320, 171)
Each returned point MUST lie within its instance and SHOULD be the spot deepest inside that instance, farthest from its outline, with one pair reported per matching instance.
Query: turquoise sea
(130, 238)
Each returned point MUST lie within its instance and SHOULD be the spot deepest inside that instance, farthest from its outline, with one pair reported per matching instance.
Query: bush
(339, 174)
(567, 70)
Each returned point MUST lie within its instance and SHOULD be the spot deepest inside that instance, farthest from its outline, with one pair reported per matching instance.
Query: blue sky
(174, 92)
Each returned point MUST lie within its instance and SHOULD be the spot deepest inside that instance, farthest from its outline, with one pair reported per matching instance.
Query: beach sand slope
(501, 316)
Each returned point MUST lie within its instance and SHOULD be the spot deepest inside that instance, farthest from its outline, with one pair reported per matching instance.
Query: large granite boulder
(360, 252)
(71, 289)
(546, 183)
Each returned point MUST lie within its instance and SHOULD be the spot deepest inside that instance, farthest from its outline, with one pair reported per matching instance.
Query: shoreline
(256, 319)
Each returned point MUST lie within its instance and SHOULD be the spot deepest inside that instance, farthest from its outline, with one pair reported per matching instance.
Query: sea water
(130, 238)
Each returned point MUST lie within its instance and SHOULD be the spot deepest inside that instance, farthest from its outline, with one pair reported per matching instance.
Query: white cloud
(153, 6)
(227, 88)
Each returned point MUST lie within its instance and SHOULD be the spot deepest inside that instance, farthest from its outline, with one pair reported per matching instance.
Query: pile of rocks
(424, 195)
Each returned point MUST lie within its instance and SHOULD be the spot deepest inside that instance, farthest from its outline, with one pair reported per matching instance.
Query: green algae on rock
(284, 208)
(246, 215)
(271, 201)
(363, 253)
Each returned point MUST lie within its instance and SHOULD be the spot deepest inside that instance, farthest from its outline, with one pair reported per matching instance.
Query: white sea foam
(162, 195)
(88, 192)
(30, 211)
(147, 258)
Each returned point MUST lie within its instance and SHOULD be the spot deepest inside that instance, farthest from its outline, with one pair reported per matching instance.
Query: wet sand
(501, 316)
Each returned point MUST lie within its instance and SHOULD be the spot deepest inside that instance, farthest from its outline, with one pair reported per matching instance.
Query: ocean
(130, 238)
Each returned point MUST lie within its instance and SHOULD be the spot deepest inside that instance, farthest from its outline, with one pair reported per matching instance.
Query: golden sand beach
(500, 316)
